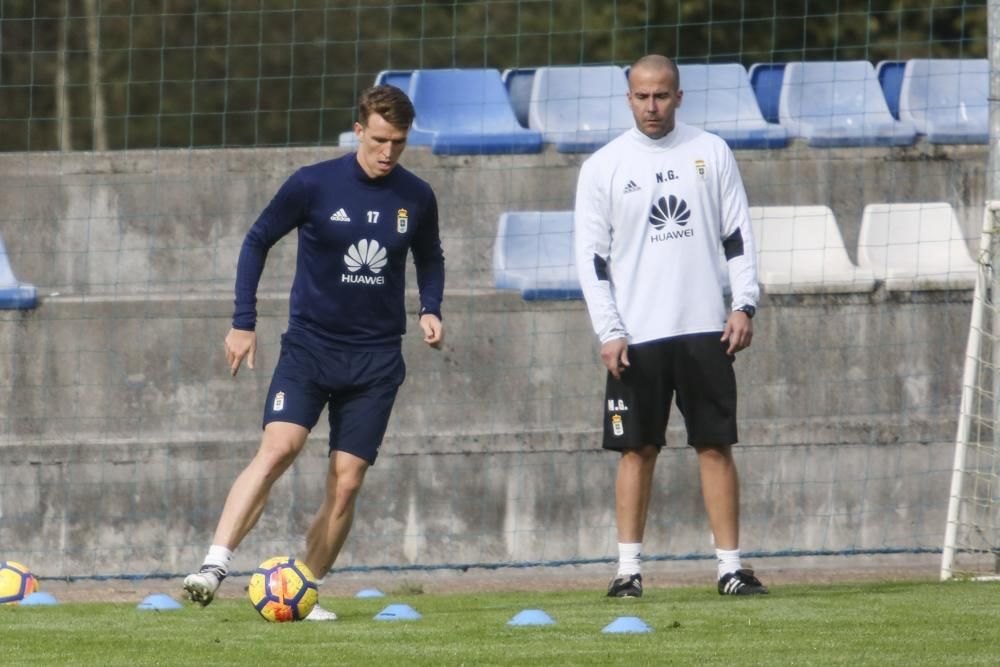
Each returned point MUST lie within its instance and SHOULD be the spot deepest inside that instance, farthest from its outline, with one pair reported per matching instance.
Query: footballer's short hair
(389, 102)
(654, 62)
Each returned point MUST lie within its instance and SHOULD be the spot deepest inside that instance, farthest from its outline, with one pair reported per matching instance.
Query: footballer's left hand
(738, 332)
(433, 330)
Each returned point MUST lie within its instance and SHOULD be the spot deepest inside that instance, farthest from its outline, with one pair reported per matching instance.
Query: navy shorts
(695, 370)
(358, 386)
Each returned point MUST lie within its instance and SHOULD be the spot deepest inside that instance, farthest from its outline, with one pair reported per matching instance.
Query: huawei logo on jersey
(365, 254)
(669, 209)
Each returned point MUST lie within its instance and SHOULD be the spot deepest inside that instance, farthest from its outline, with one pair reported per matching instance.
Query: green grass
(879, 624)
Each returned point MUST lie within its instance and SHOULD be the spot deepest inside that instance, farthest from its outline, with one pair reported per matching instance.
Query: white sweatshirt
(655, 222)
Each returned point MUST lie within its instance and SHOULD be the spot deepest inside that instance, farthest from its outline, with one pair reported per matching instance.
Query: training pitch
(904, 623)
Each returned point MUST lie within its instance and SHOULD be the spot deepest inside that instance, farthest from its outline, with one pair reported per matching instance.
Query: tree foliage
(201, 73)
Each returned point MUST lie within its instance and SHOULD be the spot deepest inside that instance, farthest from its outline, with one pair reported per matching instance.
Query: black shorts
(359, 386)
(696, 369)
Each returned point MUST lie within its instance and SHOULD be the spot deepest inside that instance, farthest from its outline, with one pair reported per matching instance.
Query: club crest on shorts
(616, 425)
(402, 220)
(279, 402)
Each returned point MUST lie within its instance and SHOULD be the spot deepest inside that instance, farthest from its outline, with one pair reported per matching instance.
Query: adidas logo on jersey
(365, 254)
(631, 186)
(340, 216)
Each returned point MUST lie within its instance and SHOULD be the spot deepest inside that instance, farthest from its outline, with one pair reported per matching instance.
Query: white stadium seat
(800, 250)
(915, 246)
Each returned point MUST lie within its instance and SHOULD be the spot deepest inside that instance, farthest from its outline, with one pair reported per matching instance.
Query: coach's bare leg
(720, 488)
(332, 523)
(279, 446)
(633, 487)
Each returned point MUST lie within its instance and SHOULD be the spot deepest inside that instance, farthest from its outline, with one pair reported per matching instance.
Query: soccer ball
(283, 589)
(16, 582)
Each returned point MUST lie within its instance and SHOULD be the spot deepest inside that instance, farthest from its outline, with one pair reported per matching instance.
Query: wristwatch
(749, 310)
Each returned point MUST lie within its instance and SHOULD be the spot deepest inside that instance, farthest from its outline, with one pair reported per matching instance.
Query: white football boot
(320, 614)
(201, 585)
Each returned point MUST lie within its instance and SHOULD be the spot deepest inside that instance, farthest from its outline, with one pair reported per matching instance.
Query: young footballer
(357, 218)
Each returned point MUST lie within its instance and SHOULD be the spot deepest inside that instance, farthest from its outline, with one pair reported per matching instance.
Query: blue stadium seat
(394, 77)
(518, 82)
(839, 104)
(14, 295)
(947, 100)
(533, 254)
(890, 76)
(579, 109)
(765, 79)
(719, 99)
(467, 111)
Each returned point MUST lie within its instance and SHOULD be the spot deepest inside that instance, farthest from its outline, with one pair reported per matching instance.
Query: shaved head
(656, 63)
(654, 95)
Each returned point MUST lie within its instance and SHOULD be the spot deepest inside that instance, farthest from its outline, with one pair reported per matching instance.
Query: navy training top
(350, 272)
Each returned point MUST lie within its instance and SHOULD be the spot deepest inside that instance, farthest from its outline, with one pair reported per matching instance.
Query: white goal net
(972, 534)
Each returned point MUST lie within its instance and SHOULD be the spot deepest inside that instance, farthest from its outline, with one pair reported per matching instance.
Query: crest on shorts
(279, 402)
(616, 425)
(402, 220)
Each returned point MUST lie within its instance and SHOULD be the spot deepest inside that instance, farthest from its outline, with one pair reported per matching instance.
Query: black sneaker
(626, 586)
(741, 582)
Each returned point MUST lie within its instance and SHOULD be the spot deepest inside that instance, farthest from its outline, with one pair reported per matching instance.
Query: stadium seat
(579, 109)
(14, 295)
(394, 77)
(347, 138)
(890, 76)
(534, 254)
(915, 246)
(800, 250)
(839, 104)
(765, 79)
(518, 83)
(947, 100)
(467, 111)
(719, 99)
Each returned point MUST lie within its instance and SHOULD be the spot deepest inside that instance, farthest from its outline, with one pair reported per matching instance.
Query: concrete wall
(172, 222)
(123, 429)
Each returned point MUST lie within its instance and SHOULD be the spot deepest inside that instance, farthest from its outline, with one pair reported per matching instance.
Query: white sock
(629, 558)
(219, 556)
(729, 561)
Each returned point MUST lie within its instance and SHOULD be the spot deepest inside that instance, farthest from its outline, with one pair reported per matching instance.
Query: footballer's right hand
(614, 354)
(240, 344)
